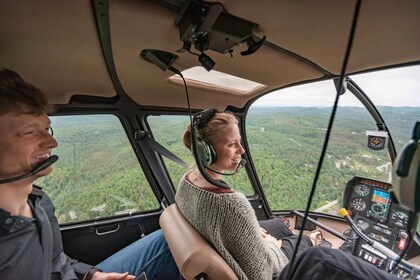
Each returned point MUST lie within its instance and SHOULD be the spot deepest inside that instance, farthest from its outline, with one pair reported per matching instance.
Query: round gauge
(378, 209)
(376, 141)
(400, 219)
(361, 189)
(358, 204)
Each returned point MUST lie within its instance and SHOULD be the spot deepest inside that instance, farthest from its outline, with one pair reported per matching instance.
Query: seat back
(193, 255)
(406, 173)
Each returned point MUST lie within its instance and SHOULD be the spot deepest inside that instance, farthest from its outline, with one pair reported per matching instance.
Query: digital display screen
(380, 203)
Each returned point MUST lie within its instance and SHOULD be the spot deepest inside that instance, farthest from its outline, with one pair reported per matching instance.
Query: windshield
(286, 129)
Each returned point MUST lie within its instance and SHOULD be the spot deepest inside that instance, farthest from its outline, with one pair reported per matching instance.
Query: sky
(396, 87)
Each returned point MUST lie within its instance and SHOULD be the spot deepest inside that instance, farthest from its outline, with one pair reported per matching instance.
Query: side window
(286, 132)
(97, 174)
(169, 132)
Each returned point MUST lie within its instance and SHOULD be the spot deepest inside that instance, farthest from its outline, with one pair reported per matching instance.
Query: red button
(401, 244)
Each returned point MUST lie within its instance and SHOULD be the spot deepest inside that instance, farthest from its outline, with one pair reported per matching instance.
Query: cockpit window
(286, 131)
(396, 93)
(97, 174)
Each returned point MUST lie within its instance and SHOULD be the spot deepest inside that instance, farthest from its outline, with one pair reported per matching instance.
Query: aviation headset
(204, 152)
(204, 149)
(406, 173)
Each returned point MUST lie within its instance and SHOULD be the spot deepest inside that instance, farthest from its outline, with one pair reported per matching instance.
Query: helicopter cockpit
(325, 93)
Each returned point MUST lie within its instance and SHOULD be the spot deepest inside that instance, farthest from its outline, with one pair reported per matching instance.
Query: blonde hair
(211, 129)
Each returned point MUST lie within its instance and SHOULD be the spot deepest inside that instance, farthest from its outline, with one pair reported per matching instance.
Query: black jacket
(31, 248)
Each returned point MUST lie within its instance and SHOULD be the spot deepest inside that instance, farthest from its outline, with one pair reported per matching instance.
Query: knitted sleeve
(228, 222)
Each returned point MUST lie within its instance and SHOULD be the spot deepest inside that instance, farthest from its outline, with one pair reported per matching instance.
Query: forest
(98, 174)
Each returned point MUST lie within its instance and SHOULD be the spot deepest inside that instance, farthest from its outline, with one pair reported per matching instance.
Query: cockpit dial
(362, 189)
(358, 204)
(400, 219)
(378, 209)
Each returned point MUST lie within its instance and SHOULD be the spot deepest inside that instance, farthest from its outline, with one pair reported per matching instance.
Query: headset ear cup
(206, 152)
(212, 152)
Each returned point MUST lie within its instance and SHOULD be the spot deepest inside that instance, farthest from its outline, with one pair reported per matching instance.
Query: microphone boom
(238, 168)
(43, 165)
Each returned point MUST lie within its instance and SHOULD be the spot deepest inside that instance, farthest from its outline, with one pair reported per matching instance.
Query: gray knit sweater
(228, 222)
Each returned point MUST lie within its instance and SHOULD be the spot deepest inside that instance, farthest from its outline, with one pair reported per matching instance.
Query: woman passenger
(224, 217)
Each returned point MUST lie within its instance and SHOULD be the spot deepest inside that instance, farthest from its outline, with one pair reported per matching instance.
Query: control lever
(363, 225)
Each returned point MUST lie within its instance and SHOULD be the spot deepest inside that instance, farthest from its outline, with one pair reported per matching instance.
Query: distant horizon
(394, 87)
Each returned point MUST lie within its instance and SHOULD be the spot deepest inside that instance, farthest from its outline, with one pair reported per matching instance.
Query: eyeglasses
(50, 131)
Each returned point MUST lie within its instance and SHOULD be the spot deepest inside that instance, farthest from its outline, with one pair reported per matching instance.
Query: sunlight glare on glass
(200, 76)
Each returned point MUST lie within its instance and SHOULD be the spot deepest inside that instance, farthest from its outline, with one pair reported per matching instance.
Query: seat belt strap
(146, 139)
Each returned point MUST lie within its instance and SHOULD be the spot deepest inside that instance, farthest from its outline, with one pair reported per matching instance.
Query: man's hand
(112, 276)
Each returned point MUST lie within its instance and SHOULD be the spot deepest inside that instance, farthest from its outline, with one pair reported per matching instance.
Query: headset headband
(203, 118)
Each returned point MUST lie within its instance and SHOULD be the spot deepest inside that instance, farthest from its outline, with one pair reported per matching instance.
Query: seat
(406, 173)
(194, 256)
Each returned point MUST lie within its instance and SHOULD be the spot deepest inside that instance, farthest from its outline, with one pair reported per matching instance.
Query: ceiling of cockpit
(55, 45)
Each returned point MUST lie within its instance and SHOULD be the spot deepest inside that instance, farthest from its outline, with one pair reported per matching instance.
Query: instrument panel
(371, 199)
(370, 205)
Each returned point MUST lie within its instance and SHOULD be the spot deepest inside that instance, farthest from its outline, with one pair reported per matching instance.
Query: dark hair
(210, 130)
(19, 96)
